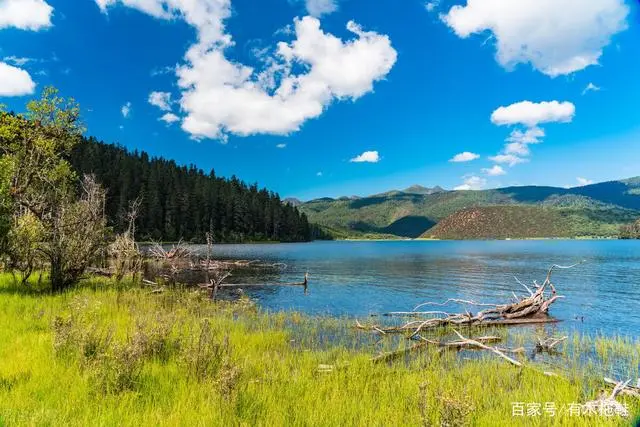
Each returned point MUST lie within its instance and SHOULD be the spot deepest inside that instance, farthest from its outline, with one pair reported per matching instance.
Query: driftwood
(533, 308)
(157, 289)
(478, 344)
(179, 251)
(548, 344)
(386, 357)
(217, 283)
(629, 390)
(209, 265)
(461, 344)
(607, 404)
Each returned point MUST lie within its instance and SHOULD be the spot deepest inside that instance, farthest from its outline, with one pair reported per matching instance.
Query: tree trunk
(57, 275)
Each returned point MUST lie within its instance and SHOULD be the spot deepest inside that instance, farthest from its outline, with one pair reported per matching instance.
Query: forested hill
(593, 210)
(180, 202)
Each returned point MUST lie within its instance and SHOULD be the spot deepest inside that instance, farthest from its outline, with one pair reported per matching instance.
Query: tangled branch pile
(532, 308)
(179, 251)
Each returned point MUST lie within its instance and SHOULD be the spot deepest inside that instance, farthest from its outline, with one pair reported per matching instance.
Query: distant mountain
(293, 201)
(414, 189)
(418, 189)
(593, 210)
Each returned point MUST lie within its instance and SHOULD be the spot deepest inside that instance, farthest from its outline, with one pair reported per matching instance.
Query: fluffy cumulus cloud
(555, 37)
(281, 145)
(318, 8)
(15, 81)
(162, 100)
(532, 114)
(367, 157)
(528, 114)
(301, 78)
(464, 157)
(472, 182)
(30, 15)
(496, 170)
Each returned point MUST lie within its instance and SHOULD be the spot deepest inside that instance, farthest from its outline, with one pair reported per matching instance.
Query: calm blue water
(361, 278)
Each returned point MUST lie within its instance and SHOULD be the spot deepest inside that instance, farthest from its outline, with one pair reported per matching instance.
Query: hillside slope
(514, 222)
(595, 210)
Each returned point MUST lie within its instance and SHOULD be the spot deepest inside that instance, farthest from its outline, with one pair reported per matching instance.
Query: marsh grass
(106, 355)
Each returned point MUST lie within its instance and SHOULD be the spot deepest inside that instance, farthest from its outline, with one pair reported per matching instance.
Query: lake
(356, 279)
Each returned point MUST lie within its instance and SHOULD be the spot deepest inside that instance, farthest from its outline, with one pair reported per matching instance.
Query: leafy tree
(22, 246)
(40, 187)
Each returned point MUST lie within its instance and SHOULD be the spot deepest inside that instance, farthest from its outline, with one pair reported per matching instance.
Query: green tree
(39, 180)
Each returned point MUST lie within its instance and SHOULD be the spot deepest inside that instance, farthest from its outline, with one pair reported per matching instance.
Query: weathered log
(452, 345)
(629, 390)
(304, 283)
(486, 347)
(608, 403)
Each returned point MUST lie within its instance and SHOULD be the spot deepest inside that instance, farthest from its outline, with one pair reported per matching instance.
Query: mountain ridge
(596, 210)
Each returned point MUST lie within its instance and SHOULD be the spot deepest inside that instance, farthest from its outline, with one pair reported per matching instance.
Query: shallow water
(362, 278)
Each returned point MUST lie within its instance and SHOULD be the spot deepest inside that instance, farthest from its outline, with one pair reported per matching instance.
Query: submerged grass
(105, 356)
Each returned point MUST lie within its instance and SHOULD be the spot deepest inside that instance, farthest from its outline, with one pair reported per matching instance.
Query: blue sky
(316, 98)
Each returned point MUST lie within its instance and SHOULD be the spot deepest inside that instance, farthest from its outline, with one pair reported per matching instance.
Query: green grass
(104, 356)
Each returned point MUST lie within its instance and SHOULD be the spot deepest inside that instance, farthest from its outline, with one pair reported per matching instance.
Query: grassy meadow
(107, 355)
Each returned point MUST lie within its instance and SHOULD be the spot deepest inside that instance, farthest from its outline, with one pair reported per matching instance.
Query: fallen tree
(533, 308)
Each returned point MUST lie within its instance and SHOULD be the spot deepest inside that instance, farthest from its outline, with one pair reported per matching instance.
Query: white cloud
(367, 157)
(464, 157)
(17, 61)
(300, 80)
(472, 183)
(318, 8)
(529, 136)
(30, 15)
(319, 174)
(281, 145)
(432, 5)
(584, 181)
(126, 110)
(14, 81)
(591, 88)
(555, 37)
(162, 100)
(160, 71)
(509, 159)
(517, 148)
(169, 118)
(532, 114)
(529, 114)
(496, 170)
(518, 141)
